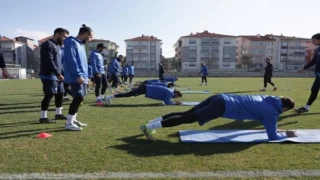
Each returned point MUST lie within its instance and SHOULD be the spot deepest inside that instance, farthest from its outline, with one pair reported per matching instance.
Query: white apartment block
(216, 51)
(14, 52)
(286, 53)
(144, 51)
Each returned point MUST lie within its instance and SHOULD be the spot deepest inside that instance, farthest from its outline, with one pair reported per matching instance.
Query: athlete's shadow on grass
(129, 105)
(254, 124)
(238, 92)
(142, 148)
(24, 123)
(18, 104)
(29, 133)
(26, 111)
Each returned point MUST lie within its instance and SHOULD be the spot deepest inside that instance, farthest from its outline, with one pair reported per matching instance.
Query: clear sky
(117, 20)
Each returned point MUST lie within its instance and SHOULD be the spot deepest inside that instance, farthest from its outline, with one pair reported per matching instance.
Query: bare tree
(164, 62)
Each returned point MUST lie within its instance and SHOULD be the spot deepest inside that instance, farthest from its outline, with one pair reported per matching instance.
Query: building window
(270, 43)
(205, 48)
(192, 56)
(284, 51)
(192, 48)
(227, 42)
(270, 51)
(284, 43)
(192, 41)
(153, 43)
(226, 64)
(226, 56)
(204, 55)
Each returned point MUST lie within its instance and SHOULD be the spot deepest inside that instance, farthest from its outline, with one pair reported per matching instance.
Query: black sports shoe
(46, 121)
(302, 109)
(60, 117)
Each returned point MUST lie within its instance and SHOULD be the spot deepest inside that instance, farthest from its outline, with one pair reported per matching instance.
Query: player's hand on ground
(60, 78)
(80, 80)
(301, 71)
(291, 133)
(178, 102)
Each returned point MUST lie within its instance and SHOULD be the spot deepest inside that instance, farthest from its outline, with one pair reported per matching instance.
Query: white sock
(43, 114)
(307, 107)
(156, 120)
(59, 110)
(110, 97)
(101, 96)
(70, 119)
(65, 97)
(155, 125)
(75, 117)
(97, 98)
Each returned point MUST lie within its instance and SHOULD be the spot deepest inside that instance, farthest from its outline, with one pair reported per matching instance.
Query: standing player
(316, 84)
(76, 73)
(99, 73)
(131, 73)
(5, 73)
(125, 73)
(204, 72)
(115, 70)
(50, 75)
(161, 72)
(268, 75)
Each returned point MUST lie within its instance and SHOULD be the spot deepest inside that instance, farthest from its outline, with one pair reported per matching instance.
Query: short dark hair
(316, 36)
(84, 29)
(170, 85)
(287, 102)
(175, 92)
(100, 45)
(268, 59)
(60, 30)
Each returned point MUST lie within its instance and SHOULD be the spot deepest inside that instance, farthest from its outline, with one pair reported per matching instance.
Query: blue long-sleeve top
(204, 71)
(96, 61)
(131, 70)
(265, 109)
(160, 93)
(76, 63)
(115, 67)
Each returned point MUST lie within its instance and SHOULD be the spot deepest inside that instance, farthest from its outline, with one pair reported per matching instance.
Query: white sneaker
(107, 100)
(73, 127)
(79, 123)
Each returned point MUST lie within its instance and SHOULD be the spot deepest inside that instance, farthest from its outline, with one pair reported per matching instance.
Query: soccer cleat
(73, 127)
(46, 121)
(99, 101)
(275, 88)
(66, 99)
(107, 100)
(80, 124)
(149, 133)
(263, 90)
(143, 125)
(301, 110)
(60, 117)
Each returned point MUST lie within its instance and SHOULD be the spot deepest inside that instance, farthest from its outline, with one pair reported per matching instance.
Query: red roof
(208, 34)
(3, 38)
(45, 39)
(144, 38)
(258, 38)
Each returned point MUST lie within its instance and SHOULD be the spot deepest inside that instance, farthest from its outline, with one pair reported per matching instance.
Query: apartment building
(14, 52)
(310, 51)
(217, 51)
(286, 53)
(258, 48)
(144, 51)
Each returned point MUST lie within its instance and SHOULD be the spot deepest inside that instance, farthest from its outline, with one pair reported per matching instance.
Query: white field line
(151, 175)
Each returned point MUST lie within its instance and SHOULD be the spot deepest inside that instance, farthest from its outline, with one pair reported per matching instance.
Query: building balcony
(297, 47)
(140, 47)
(297, 55)
(7, 49)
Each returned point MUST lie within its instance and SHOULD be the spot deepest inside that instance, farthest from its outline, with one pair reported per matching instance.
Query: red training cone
(44, 135)
(99, 103)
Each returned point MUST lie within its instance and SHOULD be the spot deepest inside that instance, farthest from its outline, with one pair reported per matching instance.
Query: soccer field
(112, 142)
